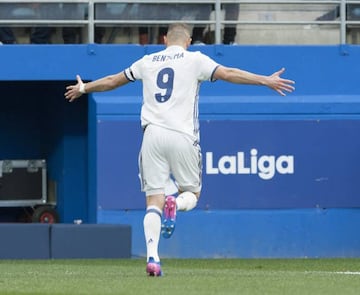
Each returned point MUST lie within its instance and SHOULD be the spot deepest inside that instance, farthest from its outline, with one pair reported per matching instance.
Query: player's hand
(279, 84)
(73, 91)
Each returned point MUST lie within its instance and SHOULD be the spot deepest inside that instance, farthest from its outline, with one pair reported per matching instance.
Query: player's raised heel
(153, 268)
(168, 225)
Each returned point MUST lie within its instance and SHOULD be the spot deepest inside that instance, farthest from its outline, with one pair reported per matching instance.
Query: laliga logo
(265, 166)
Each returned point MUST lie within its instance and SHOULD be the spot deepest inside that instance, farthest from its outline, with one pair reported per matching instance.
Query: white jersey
(171, 80)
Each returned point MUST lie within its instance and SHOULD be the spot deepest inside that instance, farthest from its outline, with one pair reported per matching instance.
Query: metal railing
(87, 14)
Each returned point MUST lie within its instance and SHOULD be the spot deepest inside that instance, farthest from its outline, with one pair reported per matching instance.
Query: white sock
(186, 201)
(152, 228)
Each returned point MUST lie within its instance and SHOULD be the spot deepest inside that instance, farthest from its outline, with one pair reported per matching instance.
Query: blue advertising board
(281, 164)
(246, 164)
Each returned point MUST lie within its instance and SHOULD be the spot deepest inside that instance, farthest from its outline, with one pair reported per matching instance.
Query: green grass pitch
(182, 276)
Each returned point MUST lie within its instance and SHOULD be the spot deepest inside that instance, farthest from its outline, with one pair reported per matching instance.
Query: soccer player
(169, 118)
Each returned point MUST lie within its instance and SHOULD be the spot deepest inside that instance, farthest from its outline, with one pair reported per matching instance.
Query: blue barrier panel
(252, 161)
(90, 241)
(280, 164)
(272, 155)
(259, 164)
(24, 241)
(286, 233)
(118, 184)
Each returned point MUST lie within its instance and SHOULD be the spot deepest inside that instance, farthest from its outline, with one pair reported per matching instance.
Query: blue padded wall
(66, 241)
(85, 241)
(286, 233)
(89, 174)
(24, 241)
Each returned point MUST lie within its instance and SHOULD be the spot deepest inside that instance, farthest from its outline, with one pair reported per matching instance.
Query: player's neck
(177, 44)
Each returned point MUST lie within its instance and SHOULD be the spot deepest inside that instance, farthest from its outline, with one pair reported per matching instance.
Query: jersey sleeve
(133, 72)
(207, 68)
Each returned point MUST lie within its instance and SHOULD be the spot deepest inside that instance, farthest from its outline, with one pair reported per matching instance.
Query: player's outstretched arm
(274, 81)
(103, 84)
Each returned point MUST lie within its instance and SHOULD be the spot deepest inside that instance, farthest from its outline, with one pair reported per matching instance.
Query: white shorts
(166, 153)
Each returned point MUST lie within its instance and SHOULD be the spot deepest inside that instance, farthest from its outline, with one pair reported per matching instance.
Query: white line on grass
(348, 272)
(334, 272)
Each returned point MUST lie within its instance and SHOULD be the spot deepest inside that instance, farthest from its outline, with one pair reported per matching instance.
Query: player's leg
(184, 202)
(154, 174)
(185, 165)
(152, 227)
(186, 168)
(187, 201)
(169, 220)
